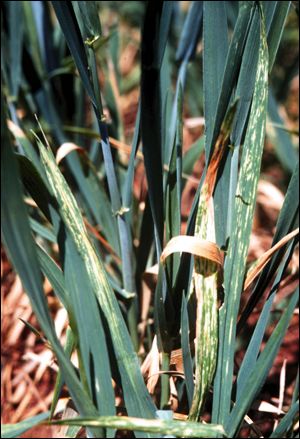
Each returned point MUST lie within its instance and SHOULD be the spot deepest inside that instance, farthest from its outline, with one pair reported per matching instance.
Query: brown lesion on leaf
(219, 149)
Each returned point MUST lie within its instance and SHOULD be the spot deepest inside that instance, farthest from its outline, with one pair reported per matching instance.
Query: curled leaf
(195, 246)
(65, 149)
(264, 259)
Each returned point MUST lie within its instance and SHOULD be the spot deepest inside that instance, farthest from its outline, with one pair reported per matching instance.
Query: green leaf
(230, 76)
(215, 41)
(244, 94)
(164, 25)
(91, 335)
(286, 422)
(163, 312)
(15, 41)
(90, 24)
(296, 388)
(42, 231)
(250, 357)
(15, 430)
(15, 227)
(128, 192)
(151, 111)
(190, 32)
(161, 427)
(35, 185)
(20, 247)
(98, 202)
(55, 276)
(233, 62)
(70, 28)
(281, 140)
(31, 38)
(192, 155)
(269, 10)
(66, 17)
(235, 263)
(137, 398)
(68, 348)
(263, 365)
(90, 19)
(169, 114)
(186, 351)
(287, 221)
(276, 29)
(173, 190)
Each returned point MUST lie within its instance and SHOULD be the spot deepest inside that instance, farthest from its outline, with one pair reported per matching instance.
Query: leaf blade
(241, 226)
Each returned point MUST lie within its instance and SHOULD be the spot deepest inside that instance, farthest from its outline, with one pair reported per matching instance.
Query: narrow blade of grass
(215, 40)
(42, 231)
(173, 192)
(15, 430)
(269, 10)
(98, 202)
(31, 34)
(25, 146)
(65, 14)
(153, 47)
(20, 246)
(244, 93)
(241, 227)
(16, 33)
(263, 364)
(186, 351)
(127, 193)
(286, 422)
(91, 31)
(91, 337)
(232, 67)
(276, 29)
(68, 348)
(190, 32)
(35, 185)
(137, 399)
(281, 140)
(55, 276)
(233, 62)
(287, 221)
(250, 357)
(161, 427)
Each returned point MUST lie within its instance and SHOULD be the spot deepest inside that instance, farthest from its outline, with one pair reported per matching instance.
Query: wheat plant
(69, 212)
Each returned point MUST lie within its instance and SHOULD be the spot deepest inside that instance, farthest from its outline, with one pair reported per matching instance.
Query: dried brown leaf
(65, 149)
(195, 246)
(264, 259)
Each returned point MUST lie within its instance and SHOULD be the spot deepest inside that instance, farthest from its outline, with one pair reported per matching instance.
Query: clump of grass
(84, 207)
